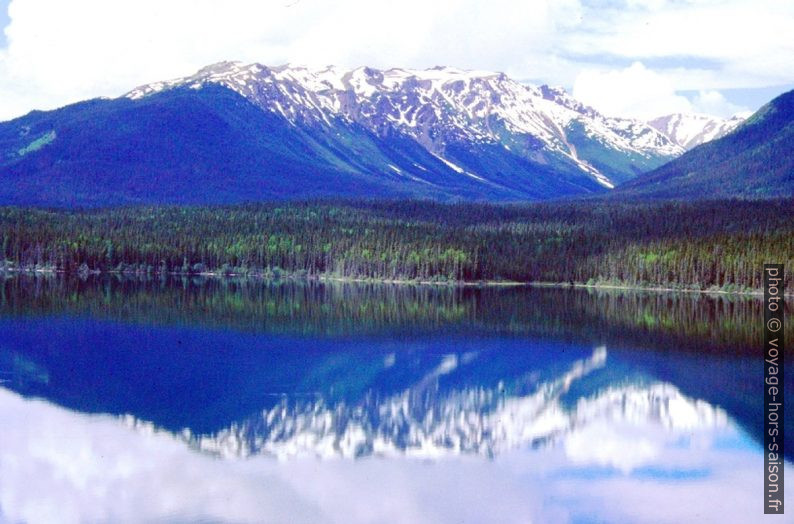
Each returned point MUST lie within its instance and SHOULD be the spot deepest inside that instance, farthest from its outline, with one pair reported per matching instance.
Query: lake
(210, 400)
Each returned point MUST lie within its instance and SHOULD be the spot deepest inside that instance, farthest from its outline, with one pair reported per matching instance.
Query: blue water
(193, 401)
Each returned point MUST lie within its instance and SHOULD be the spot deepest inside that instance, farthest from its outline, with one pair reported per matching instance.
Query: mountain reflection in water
(551, 402)
(424, 422)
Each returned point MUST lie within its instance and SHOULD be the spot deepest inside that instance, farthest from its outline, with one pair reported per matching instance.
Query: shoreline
(655, 288)
(755, 293)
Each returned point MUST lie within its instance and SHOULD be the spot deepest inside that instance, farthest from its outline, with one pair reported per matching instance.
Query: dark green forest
(703, 245)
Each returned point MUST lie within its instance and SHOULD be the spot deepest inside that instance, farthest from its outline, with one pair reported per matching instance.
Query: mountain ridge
(755, 160)
(236, 132)
(690, 130)
(435, 107)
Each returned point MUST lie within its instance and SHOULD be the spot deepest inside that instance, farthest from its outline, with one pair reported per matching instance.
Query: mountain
(756, 160)
(235, 132)
(427, 421)
(691, 130)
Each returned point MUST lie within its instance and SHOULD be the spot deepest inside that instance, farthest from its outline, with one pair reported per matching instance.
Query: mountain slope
(442, 106)
(179, 147)
(692, 130)
(756, 160)
(236, 132)
(213, 146)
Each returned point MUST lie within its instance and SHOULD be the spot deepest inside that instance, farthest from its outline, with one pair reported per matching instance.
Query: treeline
(715, 244)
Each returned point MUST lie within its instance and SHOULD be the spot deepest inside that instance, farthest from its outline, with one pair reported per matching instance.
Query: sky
(639, 58)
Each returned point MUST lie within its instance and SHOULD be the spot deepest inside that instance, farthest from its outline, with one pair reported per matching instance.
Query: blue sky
(3, 20)
(640, 58)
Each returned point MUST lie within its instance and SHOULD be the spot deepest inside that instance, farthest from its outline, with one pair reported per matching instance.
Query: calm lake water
(241, 401)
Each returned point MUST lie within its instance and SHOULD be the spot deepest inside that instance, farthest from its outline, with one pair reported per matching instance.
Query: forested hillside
(708, 245)
(756, 160)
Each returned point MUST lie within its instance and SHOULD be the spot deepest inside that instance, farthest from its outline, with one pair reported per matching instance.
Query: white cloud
(712, 102)
(644, 93)
(748, 44)
(60, 52)
(634, 91)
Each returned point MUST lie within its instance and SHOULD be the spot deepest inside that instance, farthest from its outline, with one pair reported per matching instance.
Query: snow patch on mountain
(481, 421)
(437, 108)
(692, 130)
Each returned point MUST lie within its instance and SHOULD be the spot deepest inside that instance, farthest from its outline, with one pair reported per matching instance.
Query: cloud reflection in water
(657, 456)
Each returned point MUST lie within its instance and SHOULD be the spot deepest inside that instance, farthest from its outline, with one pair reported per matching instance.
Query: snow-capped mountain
(235, 132)
(691, 130)
(442, 107)
(755, 160)
(425, 422)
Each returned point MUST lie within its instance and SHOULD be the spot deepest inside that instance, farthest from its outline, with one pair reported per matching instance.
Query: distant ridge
(691, 130)
(756, 160)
